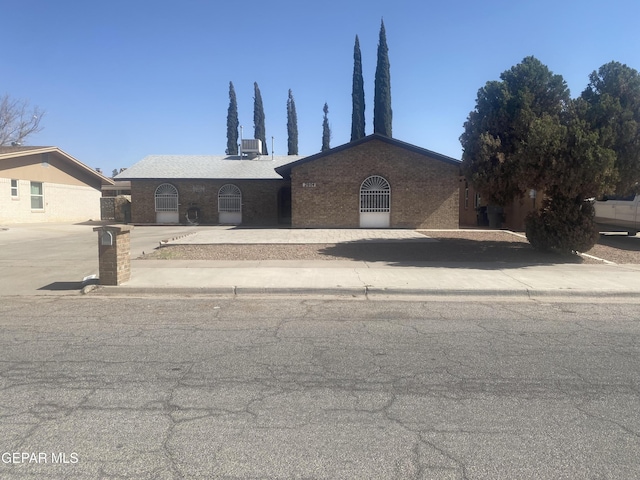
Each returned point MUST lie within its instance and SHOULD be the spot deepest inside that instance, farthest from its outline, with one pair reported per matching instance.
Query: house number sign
(309, 185)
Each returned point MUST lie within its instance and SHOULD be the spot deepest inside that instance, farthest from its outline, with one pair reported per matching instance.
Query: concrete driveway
(53, 259)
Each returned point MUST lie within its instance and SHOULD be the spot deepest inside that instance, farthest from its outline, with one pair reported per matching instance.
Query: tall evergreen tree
(382, 114)
(326, 130)
(292, 126)
(232, 122)
(357, 95)
(258, 119)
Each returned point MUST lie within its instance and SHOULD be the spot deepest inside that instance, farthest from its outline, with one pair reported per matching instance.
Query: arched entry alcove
(375, 203)
(166, 202)
(230, 205)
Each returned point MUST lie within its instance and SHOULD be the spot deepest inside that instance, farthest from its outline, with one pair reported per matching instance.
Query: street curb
(225, 291)
(233, 291)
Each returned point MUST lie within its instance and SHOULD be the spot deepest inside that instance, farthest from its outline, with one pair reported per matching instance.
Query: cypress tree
(357, 95)
(326, 130)
(292, 126)
(382, 114)
(258, 119)
(232, 122)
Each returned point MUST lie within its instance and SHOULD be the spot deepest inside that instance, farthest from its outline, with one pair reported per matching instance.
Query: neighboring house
(474, 211)
(45, 184)
(374, 182)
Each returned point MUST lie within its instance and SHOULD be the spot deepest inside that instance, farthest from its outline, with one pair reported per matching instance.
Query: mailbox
(114, 258)
(106, 238)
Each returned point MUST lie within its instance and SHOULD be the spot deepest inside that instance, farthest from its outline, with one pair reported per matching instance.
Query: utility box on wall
(114, 258)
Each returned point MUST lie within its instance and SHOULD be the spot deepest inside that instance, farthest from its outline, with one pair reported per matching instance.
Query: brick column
(114, 257)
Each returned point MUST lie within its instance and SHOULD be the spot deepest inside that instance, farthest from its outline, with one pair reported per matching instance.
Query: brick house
(375, 182)
(45, 184)
(209, 189)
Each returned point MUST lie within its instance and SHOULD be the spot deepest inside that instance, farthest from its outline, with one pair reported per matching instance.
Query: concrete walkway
(235, 235)
(345, 277)
(366, 279)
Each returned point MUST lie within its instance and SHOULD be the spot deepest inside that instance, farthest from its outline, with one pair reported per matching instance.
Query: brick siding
(259, 200)
(424, 191)
(114, 261)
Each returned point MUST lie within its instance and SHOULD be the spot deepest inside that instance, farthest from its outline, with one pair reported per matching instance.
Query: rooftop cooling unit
(251, 145)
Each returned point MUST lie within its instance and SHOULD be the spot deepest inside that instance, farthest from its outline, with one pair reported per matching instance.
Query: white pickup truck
(618, 214)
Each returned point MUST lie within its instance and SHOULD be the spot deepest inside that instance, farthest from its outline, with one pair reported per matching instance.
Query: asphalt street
(195, 388)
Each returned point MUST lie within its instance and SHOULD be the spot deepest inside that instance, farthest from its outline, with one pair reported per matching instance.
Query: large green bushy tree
(232, 122)
(512, 137)
(382, 113)
(526, 133)
(613, 99)
(357, 95)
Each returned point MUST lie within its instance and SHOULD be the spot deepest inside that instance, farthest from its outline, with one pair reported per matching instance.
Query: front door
(284, 206)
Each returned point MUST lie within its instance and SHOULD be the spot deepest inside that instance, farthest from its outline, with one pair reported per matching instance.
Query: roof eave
(37, 150)
(285, 170)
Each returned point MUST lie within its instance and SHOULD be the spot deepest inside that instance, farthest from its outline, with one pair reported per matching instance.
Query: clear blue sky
(122, 79)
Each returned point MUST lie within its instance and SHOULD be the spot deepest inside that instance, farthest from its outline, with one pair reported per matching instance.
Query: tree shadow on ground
(621, 242)
(97, 223)
(62, 286)
(452, 252)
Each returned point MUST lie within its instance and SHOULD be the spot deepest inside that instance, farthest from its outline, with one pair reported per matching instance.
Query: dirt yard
(452, 246)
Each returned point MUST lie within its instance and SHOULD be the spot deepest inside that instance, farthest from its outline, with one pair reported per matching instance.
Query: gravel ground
(453, 246)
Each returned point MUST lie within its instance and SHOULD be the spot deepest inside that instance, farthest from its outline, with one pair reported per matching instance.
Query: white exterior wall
(62, 203)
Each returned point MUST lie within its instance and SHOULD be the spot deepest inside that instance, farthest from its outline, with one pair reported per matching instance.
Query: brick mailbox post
(114, 257)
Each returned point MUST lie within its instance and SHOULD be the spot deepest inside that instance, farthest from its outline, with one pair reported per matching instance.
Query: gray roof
(206, 166)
